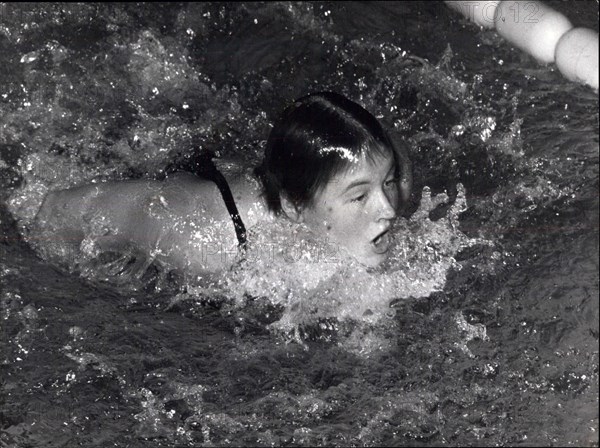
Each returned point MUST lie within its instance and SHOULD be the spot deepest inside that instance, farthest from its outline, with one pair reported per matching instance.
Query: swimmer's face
(356, 208)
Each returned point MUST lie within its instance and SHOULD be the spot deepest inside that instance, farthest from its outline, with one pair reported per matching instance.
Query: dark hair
(315, 138)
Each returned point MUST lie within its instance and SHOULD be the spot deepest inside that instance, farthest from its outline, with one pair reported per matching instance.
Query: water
(487, 335)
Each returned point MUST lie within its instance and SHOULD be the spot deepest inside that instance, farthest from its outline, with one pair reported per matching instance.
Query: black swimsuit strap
(211, 172)
(240, 229)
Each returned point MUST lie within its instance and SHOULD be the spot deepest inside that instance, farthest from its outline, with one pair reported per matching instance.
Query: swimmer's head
(329, 163)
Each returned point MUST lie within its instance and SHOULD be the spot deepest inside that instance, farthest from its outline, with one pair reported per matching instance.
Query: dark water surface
(505, 354)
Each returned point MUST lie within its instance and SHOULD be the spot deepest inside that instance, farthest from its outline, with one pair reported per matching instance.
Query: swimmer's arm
(155, 216)
(118, 204)
(112, 213)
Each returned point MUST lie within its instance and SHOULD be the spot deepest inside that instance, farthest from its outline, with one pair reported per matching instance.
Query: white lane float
(542, 32)
(531, 26)
(482, 13)
(577, 56)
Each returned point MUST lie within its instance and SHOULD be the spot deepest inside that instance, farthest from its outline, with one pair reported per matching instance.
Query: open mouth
(381, 243)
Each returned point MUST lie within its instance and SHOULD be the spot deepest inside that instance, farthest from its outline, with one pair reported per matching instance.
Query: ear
(406, 186)
(406, 178)
(291, 210)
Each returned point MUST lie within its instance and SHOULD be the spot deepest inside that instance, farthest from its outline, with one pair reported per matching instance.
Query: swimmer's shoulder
(244, 186)
(247, 193)
(187, 192)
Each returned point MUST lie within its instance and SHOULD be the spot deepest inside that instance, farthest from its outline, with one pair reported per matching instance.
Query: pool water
(483, 330)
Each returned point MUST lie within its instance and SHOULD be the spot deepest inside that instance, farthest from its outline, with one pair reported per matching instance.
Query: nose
(386, 207)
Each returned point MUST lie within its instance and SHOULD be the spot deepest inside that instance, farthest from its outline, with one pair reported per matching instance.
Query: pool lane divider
(540, 31)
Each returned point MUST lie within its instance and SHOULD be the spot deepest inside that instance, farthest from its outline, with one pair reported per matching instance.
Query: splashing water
(313, 280)
(503, 352)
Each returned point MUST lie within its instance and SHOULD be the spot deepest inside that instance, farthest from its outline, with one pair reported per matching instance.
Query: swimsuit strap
(209, 170)
(240, 229)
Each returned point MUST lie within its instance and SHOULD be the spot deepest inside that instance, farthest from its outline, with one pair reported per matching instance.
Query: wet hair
(318, 136)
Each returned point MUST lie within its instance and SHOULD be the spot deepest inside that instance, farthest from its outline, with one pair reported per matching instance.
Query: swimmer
(328, 165)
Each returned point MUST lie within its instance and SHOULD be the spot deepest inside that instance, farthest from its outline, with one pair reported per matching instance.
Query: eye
(359, 198)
